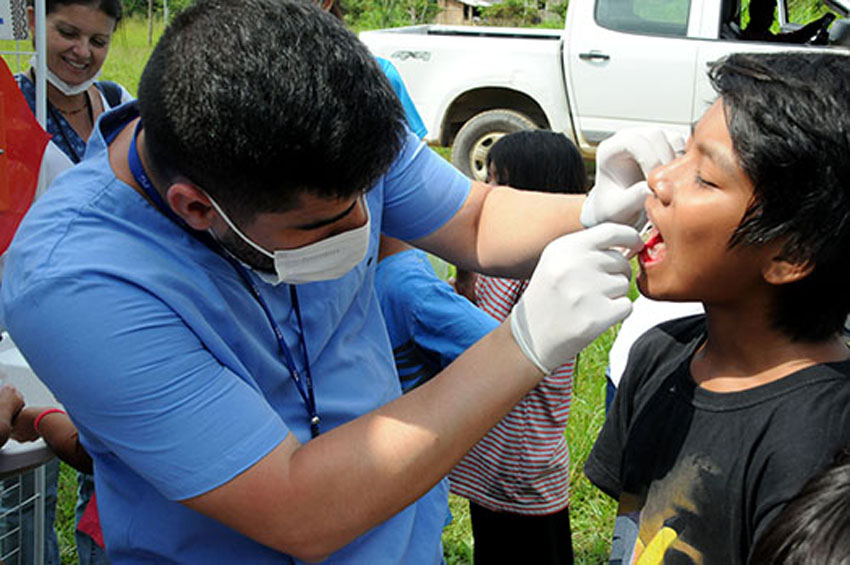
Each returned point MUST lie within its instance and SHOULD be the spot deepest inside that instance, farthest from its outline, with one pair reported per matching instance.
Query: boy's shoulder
(679, 329)
(661, 349)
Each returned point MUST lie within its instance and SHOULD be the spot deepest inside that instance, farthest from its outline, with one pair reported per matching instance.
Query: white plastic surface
(18, 457)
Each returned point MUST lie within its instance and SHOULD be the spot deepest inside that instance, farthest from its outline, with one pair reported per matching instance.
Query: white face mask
(64, 87)
(323, 260)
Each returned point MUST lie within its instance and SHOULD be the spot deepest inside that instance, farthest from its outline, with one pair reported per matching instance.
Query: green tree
(375, 14)
(140, 7)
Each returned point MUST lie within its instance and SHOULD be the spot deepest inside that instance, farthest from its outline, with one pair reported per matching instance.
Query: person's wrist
(522, 336)
(42, 415)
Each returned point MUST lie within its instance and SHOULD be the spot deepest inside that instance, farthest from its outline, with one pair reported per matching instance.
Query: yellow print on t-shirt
(651, 527)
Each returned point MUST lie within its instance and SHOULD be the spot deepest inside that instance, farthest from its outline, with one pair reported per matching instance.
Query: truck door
(729, 32)
(628, 63)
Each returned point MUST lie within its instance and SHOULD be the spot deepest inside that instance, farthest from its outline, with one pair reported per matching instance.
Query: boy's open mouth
(654, 247)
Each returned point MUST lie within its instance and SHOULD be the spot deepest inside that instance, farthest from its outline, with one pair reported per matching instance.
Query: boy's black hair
(789, 119)
(258, 101)
(539, 160)
(111, 8)
(814, 528)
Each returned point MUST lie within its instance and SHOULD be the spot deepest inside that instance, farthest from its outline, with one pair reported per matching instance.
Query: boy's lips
(653, 249)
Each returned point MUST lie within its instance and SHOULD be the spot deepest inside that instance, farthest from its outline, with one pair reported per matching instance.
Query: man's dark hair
(539, 160)
(259, 101)
(814, 528)
(789, 119)
(111, 8)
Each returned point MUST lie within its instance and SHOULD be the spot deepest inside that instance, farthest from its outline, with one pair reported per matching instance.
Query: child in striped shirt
(517, 477)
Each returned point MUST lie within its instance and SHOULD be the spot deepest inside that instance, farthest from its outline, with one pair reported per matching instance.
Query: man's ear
(782, 271)
(191, 204)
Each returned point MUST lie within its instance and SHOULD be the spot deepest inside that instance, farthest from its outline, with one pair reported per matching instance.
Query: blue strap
(305, 385)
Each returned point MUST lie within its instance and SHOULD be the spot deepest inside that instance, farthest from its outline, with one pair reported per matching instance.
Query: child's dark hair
(539, 160)
(814, 528)
(789, 119)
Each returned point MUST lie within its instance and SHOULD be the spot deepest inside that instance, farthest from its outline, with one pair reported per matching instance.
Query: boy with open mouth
(721, 418)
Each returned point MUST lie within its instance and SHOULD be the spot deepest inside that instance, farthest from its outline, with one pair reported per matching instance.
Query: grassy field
(592, 512)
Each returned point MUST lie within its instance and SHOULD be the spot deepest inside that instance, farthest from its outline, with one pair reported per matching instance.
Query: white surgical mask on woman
(324, 260)
(64, 87)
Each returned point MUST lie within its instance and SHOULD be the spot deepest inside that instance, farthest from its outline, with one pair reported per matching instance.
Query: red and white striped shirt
(523, 464)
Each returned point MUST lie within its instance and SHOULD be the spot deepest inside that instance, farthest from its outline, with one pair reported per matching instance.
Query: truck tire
(473, 141)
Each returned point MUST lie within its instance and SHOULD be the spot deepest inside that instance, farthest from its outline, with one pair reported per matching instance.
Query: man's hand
(577, 291)
(622, 164)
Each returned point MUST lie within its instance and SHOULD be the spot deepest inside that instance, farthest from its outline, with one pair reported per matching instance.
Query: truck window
(651, 17)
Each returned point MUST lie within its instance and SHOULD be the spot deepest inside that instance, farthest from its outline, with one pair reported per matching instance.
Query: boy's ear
(780, 270)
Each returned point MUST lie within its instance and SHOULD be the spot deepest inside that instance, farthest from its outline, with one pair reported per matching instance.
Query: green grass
(591, 512)
(67, 500)
(129, 53)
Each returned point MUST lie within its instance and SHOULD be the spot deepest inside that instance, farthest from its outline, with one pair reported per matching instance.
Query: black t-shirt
(699, 475)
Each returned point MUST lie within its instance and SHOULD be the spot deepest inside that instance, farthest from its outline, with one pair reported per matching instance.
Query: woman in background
(78, 37)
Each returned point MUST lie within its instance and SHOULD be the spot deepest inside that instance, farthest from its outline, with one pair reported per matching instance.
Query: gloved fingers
(633, 209)
(606, 313)
(625, 141)
(615, 285)
(639, 192)
(632, 153)
(609, 235)
(613, 262)
(614, 160)
(651, 147)
(620, 308)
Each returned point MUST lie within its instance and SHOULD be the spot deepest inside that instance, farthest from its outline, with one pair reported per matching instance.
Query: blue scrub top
(170, 369)
(411, 114)
(429, 324)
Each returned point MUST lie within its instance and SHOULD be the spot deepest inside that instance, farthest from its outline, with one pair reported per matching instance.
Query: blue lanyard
(305, 385)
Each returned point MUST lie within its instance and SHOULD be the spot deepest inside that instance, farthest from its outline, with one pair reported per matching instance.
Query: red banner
(22, 141)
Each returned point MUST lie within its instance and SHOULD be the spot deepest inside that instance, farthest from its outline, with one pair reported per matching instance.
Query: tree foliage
(359, 14)
(140, 7)
(375, 14)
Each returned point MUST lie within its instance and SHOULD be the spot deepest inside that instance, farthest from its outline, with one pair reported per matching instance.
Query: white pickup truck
(616, 63)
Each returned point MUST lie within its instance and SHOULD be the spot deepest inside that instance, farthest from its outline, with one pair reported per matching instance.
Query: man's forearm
(311, 499)
(500, 231)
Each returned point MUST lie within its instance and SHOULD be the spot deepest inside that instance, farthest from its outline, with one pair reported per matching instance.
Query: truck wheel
(477, 136)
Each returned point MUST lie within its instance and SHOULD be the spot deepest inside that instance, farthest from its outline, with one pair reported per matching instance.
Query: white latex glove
(576, 292)
(622, 162)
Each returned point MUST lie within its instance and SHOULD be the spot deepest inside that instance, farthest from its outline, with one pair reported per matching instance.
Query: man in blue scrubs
(199, 295)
